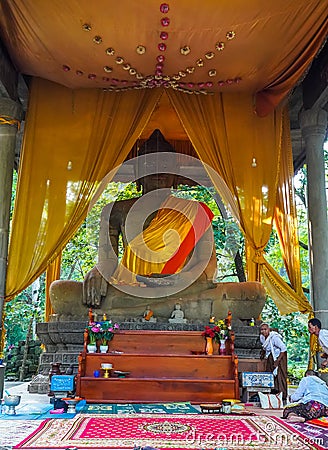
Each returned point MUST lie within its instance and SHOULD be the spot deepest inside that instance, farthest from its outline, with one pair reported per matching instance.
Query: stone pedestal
(63, 342)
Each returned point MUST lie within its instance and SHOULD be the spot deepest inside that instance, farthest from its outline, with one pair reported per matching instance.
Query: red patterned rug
(165, 432)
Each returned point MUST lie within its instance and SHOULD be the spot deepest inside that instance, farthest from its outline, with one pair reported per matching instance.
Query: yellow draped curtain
(53, 273)
(285, 212)
(229, 137)
(285, 219)
(73, 138)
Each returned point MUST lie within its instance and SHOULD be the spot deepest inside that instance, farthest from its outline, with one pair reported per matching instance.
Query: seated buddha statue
(148, 315)
(177, 315)
(169, 254)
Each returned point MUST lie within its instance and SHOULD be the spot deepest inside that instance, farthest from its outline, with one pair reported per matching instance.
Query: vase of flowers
(209, 346)
(107, 333)
(223, 335)
(101, 333)
(94, 333)
(210, 333)
(222, 349)
(92, 348)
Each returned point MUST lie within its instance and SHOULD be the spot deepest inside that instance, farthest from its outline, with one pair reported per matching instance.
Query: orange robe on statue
(163, 247)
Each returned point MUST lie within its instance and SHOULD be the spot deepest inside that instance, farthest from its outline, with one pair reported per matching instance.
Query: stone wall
(14, 360)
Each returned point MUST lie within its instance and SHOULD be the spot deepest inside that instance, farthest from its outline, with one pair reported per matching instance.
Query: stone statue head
(153, 158)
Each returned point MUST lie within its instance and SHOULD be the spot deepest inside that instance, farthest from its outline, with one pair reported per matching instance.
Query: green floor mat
(140, 408)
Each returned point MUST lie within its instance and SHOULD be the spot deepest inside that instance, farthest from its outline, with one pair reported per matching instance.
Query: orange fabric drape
(73, 138)
(228, 136)
(276, 91)
(285, 218)
(286, 299)
(165, 244)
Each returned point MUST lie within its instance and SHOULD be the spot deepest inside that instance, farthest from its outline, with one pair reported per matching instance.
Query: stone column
(10, 116)
(314, 126)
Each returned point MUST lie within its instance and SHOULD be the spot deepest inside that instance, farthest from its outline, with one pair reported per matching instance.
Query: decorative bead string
(158, 78)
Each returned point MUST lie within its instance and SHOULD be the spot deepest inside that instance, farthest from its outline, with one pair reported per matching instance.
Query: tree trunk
(237, 259)
(27, 341)
(29, 334)
(239, 267)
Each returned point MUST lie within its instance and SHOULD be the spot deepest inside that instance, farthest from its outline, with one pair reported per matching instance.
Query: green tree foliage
(80, 254)
(21, 310)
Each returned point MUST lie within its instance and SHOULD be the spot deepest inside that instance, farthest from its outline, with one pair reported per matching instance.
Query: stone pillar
(314, 126)
(10, 116)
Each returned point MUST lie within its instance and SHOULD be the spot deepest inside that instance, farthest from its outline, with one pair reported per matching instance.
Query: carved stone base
(245, 300)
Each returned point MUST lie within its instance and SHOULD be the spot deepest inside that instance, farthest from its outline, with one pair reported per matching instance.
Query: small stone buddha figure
(177, 315)
(148, 315)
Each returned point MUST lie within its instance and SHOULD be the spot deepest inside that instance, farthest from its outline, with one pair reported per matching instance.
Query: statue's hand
(94, 288)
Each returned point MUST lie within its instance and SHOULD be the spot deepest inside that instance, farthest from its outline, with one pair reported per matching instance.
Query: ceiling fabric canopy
(199, 47)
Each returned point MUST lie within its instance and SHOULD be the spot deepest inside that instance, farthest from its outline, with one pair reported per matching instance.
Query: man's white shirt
(323, 340)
